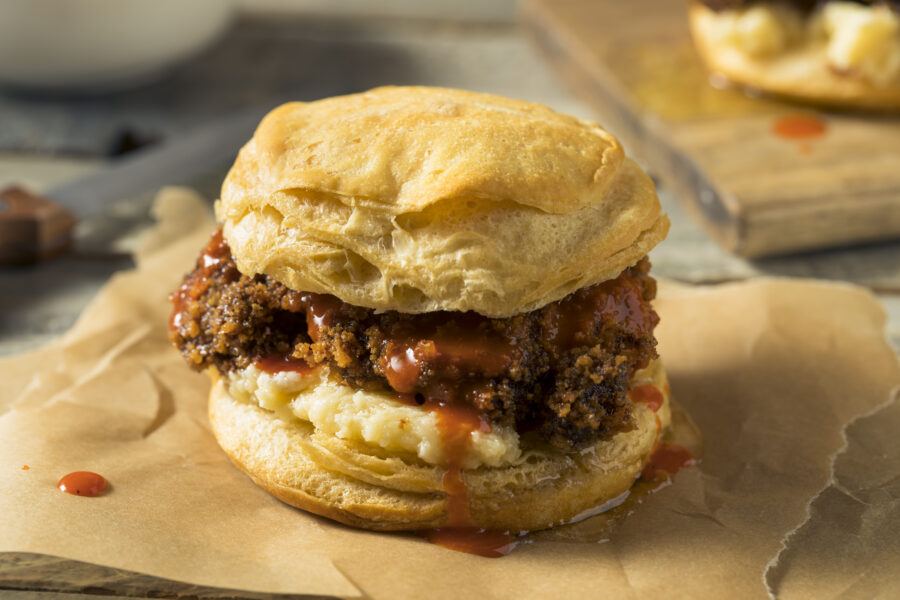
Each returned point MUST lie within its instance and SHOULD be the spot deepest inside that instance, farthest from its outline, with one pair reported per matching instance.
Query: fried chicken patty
(562, 371)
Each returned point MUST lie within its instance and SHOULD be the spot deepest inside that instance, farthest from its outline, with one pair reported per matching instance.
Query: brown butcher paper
(791, 384)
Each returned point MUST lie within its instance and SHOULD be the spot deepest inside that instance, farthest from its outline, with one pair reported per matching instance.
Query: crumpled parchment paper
(788, 497)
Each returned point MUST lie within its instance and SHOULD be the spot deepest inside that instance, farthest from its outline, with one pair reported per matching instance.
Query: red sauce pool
(83, 483)
(483, 542)
(799, 127)
(666, 460)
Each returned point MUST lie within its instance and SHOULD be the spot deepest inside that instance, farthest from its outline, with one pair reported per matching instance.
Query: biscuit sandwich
(829, 52)
(429, 307)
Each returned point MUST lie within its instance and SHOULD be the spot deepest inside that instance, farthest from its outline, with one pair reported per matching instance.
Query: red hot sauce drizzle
(456, 423)
(320, 310)
(464, 353)
(83, 483)
(666, 459)
(460, 348)
(618, 300)
(216, 250)
(647, 393)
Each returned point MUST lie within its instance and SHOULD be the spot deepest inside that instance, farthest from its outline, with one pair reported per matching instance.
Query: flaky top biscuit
(421, 199)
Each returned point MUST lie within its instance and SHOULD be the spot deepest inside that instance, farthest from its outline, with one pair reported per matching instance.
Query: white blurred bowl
(101, 45)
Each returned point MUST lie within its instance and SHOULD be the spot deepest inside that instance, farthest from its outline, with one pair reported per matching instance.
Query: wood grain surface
(30, 573)
(757, 193)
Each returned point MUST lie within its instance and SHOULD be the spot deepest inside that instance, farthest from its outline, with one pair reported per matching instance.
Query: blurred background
(86, 85)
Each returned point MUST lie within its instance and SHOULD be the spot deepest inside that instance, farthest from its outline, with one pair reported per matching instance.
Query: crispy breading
(562, 371)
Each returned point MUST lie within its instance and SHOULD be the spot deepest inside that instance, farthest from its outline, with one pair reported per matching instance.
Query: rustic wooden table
(47, 141)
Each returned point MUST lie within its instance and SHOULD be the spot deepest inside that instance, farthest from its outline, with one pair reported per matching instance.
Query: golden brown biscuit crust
(424, 199)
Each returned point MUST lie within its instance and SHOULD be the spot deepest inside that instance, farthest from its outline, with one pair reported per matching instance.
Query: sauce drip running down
(648, 394)
(667, 458)
(83, 483)
(456, 423)
(195, 285)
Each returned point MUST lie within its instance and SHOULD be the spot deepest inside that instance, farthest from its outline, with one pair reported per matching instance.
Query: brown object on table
(32, 228)
(756, 192)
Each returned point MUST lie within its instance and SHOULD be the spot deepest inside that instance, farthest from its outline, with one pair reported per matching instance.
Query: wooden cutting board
(758, 192)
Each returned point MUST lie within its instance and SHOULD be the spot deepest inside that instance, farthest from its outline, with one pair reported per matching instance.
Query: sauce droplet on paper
(799, 127)
(25, 467)
(83, 483)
